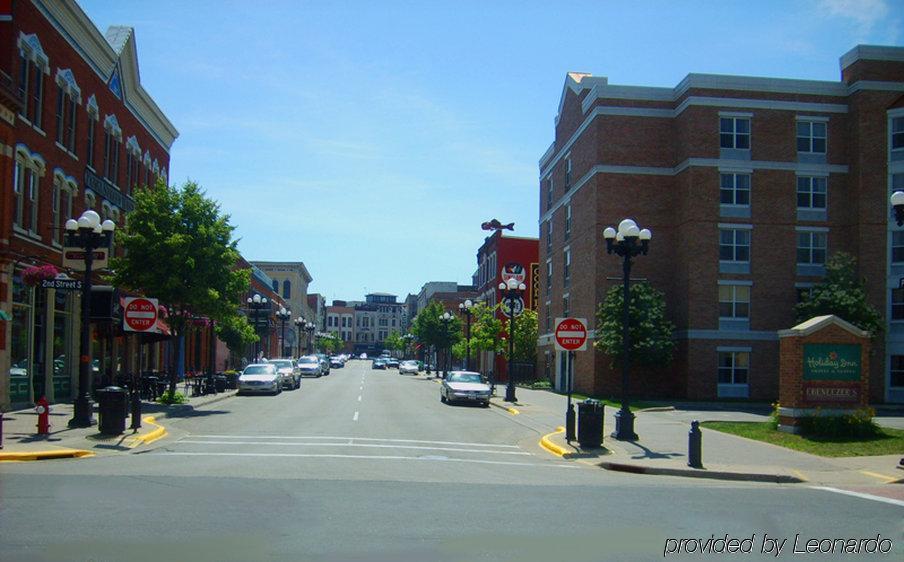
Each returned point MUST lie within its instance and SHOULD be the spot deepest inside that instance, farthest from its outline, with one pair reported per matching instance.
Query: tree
(430, 330)
(394, 341)
(236, 333)
(486, 328)
(526, 333)
(841, 293)
(178, 248)
(330, 343)
(650, 330)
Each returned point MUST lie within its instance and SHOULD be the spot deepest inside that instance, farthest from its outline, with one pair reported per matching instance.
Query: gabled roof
(818, 323)
(577, 81)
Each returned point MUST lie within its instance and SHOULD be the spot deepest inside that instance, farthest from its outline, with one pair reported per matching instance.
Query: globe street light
(465, 308)
(89, 234)
(627, 242)
(446, 319)
(299, 329)
(257, 306)
(511, 294)
(283, 314)
(408, 338)
(897, 202)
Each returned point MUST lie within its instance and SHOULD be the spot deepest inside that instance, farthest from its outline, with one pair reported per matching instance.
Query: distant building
(290, 280)
(340, 319)
(317, 310)
(375, 319)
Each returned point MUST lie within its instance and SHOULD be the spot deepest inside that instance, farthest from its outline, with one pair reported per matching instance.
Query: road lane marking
(359, 398)
(362, 445)
(345, 438)
(860, 495)
(886, 479)
(355, 417)
(376, 457)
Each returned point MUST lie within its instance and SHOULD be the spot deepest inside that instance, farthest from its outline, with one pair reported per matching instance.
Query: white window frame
(735, 230)
(734, 300)
(567, 171)
(566, 268)
(733, 188)
(734, 134)
(549, 272)
(812, 235)
(568, 221)
(733, 369)
(897, 244)
(810, 135)
(810, 185)
(896, 133)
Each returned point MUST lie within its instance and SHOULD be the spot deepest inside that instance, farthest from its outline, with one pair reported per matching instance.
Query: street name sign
(61, 284)
(140, 315)
(571, 334)
(74, 258)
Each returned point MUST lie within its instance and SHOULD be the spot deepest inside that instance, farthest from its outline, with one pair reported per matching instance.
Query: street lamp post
(310, 327)
(511, 293)
(446, 319)
(629, 241)
(299, 329)
(465, 308)
(897, 202)
(283, 314)
(90, 234)
(257, 306)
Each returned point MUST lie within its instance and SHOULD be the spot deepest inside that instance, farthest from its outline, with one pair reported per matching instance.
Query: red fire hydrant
(43, 409)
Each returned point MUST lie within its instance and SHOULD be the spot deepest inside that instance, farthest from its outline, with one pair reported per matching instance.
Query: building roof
(818, 323)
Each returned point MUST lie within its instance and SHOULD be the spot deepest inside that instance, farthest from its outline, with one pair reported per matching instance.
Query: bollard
(695, 446)
(569, 424)
(136, 409)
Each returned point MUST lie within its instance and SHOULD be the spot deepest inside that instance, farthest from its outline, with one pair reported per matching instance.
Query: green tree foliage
(330, 343)
(430, 330)
(179, 249)
(236, 333)
(394, 342)
(841, 293)
(525, 346)
(486, 328)
(650, 330)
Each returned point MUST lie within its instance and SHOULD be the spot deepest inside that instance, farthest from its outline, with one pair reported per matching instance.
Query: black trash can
(219, 382)
(590, 424)
(112, 405)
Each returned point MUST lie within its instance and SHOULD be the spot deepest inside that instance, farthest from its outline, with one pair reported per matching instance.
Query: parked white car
(260, 377)
(408, 367)
(309, 366)
(290, 376)
(465, 386)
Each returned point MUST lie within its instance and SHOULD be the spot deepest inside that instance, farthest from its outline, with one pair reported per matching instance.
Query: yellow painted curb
(150, 437)
(45, 455)
(515, 412)
(884, 477)
(547, 444)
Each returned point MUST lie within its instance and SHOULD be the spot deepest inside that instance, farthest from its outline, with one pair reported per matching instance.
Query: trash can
(590, 424)
(219, 382)
(112, 406)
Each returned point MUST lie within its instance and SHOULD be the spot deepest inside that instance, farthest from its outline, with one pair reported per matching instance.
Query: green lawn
(890, 442)
(634, 406)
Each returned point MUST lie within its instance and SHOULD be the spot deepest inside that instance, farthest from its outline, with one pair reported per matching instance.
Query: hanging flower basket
(33, 276)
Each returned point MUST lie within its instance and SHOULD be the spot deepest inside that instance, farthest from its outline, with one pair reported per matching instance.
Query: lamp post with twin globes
(511, 294)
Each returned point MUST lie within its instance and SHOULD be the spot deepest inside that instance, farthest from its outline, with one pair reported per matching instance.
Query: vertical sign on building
(535, 286)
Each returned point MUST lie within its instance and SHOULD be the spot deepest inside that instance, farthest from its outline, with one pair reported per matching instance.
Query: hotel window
(897, 133)
(811, 248)
(568, 221)
(566, 306)
(811, 136)
(548, 319)
(811, 193)
(549, 235)
(567, 172)
(567, 269)
(734, 302)
(896, 378)
(734, 189)
(548, 277)
(733, 367)
(897, 246)
(897, 304)
(734, 245)
(549, 193)
(734, 132)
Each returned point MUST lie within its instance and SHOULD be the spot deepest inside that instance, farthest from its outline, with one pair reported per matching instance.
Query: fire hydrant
(43, 410)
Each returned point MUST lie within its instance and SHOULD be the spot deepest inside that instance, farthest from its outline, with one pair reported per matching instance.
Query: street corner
(150, 432)
(556, 444)
(510, 408)
(721, 472)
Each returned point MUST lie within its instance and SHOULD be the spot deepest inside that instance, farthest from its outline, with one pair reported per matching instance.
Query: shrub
(857, 425)
(171, 398)
(773, 417)
(539, 384)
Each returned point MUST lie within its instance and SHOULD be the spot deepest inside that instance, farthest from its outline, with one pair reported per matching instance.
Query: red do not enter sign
(571, 334)
(139, 314)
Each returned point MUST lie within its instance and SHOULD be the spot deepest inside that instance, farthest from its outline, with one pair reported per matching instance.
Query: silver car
(309, 366)
(288, 372)
(260, 377)
(408, 368)
(465, 386)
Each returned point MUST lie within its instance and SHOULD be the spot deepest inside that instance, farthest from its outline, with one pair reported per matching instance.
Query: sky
(370, 139)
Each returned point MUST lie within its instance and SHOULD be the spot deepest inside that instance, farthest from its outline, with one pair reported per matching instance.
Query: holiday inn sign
(831, 362)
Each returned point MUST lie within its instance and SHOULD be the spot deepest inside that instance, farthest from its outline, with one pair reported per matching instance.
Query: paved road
(369, 465)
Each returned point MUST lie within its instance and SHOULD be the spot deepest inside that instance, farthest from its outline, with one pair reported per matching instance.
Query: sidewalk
(21, 441)
(663, 441)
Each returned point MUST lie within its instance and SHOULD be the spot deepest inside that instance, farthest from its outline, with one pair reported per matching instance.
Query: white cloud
(865, 13)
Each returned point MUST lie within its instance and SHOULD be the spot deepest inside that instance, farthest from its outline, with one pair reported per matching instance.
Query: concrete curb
(547, 444)
(696, 473)
(657, 409)
(509, 409)
(165, 414)
(151, 436)
(45, 455)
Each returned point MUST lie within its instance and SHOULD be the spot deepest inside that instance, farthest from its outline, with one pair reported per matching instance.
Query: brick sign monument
(824, 364)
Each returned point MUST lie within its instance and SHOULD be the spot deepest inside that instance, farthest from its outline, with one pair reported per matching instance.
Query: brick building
(747, 184)
(496, 252)
(340, 319)
(77, 131)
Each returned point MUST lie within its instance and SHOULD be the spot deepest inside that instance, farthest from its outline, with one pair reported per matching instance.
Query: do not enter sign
(571, 334)
(139, 314)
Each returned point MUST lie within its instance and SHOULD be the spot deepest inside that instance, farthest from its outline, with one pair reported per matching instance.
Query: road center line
(359, 398)
(355, 418)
